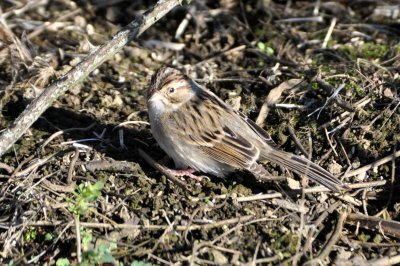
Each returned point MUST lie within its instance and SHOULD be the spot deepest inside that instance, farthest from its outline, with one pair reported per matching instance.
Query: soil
(79, 166)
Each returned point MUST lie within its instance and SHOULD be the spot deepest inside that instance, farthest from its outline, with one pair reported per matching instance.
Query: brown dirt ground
(241, 50)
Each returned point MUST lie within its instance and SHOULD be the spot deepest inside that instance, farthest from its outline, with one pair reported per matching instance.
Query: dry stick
(297, 141)
(61, 132)
(346, 114)
(72, 166)
(392, 179)
(273, 97)
(388, 227)
(6, 167)
(385, 261)
(35, 165)
(227, 52)
(372, 165)
(78, 239)
(80, 71)
(20, 165)
(332, 241)
(47, 24)
(59, 188)
(241, 219)
(317, 227)
(329, 33)
(306, 190)
(162, 169)
(28, 6)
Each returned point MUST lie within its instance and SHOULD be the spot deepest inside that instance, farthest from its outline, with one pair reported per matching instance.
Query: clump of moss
(374, 50)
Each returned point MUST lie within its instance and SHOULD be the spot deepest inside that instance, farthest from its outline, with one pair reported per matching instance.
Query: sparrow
(202, 133)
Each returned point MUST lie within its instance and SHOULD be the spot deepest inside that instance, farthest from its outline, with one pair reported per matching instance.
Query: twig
(273, 97)
(35, 165)
(48, 24)
(385, 261)
(61, 132)
(318, 226)
(297, 141)
(330, 142)
(223, 53)
(388, 227)
(58, 188)
(78, 239)
(373, 165)
(392, 179)
(328, 101)
(108, 164)
(290, 205)
(241, 219)
(253, 262)
(72, 166)
(29, 5)
(329, 33)
(332, 241)
(301, 20)
(266, 261)
(346, 114)
(249, 198)
(20, 165)
(375, 245)
(6, 167)
(32, 112)
(185, 22)
(162, 169)
(317, 189)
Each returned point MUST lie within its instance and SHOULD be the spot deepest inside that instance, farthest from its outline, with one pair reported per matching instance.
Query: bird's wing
(233, 149)
(211, 127)
(258, 130)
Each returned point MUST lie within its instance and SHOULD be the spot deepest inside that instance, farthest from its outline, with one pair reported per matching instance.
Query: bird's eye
(171, 90)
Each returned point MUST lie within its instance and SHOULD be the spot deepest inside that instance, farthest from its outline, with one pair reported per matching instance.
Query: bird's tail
(303, 166)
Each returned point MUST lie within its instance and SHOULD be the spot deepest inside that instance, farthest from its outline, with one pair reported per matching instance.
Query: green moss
(349, 50)
(374, 50)
(356, 89)
(368, 50)
(286, 242)
(241, 190)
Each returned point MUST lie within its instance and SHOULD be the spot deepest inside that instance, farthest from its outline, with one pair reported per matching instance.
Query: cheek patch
(157, 107)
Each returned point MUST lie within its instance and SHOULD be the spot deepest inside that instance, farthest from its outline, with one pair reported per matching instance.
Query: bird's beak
(153, 95)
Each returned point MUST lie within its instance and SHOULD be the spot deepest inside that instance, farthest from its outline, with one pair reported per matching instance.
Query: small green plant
(48, 236)
(363, 237)
(99, 254)
(86, 194)
(140, 263)
(63, 262)
(30, 234)
(266, 49)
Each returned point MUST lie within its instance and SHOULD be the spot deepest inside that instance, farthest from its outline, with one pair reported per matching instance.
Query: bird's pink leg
(185, 172)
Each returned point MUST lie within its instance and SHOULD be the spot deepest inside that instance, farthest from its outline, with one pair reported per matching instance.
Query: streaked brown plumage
(199, 131)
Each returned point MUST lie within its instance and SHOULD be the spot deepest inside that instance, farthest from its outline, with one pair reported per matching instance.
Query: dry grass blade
(273, 98)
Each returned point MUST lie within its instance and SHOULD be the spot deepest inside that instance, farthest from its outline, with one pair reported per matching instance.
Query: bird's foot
(185, 172)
